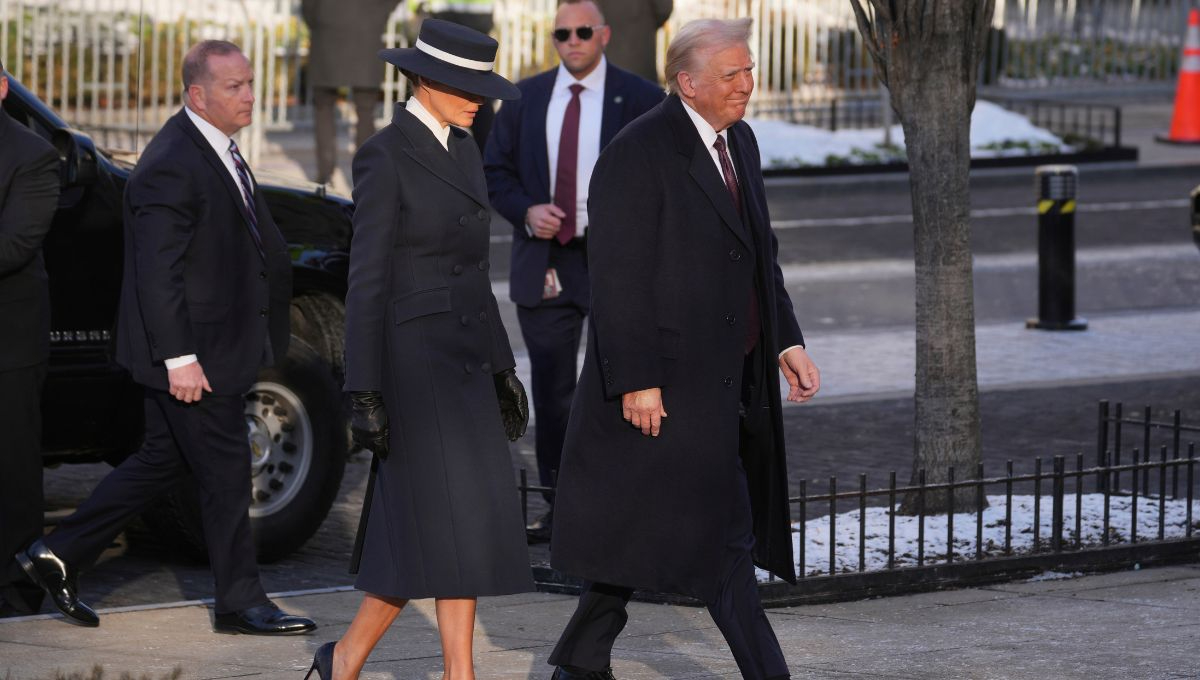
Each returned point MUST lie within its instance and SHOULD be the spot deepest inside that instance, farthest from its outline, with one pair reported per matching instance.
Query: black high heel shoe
(322, 662)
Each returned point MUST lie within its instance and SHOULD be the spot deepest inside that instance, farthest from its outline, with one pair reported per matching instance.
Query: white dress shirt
(709, 136)
(442, 132)
(591, 111)
(220, 144)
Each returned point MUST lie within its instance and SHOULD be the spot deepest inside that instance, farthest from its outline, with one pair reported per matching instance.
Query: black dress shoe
(265, 619)
(573, 673)
(322, 662)
(539, 530)
(58, 580)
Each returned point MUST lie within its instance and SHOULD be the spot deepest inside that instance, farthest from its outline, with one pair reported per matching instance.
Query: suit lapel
(535, 131)
(614, 97)
(427, 151)
(214, 161)
(702, 168)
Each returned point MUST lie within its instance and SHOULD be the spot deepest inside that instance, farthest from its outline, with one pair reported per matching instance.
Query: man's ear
(195, 96)
(686, 86)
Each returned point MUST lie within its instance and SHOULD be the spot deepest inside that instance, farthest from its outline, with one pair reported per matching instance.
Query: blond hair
(700, 38)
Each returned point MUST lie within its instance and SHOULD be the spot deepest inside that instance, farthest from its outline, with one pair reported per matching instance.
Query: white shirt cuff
(529, 230)
(177, 362)
(790, 349)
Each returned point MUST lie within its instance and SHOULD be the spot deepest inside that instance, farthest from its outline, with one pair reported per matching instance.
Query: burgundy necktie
(568, 161)
(752, 316)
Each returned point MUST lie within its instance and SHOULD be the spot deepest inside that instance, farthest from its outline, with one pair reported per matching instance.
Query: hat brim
(487, 84)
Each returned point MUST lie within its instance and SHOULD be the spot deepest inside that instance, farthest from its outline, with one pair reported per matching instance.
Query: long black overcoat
(422, 327)
(673, 268)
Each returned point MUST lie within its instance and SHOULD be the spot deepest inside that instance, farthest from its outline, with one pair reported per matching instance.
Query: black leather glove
(369, 422)
(514, 406)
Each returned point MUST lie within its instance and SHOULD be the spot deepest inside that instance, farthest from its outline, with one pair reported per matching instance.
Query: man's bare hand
(545, 219)
(188, 382)
(801, 374)
(644, 410)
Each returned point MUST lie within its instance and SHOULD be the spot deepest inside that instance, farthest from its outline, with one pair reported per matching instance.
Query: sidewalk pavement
(1128, 625)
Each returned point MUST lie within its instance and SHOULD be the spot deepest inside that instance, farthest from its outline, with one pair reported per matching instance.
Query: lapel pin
(618, 99)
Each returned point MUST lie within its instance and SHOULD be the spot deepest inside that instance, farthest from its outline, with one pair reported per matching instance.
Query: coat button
(604, 361)
(735, 255)
(482, 214)
(728, 381)
(483, 316)
(262, 311)
(467, 368)
(485, 367)
(730, 319)
(462, 221)
(483, 265)
(262, 275)
(464, 320)
(456, 269)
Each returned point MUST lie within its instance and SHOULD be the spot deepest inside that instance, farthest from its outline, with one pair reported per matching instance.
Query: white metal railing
(111, 66)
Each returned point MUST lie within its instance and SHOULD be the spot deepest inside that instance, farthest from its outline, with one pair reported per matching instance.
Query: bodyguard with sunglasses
(539, 162)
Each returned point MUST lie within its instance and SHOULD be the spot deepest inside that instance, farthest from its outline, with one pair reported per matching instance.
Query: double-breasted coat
(674, 266)
(423, 328)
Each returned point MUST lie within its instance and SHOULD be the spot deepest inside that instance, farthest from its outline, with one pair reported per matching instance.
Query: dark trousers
(588, 639)
(206, 439)
(552, 331)
(324, 101)
(20, 481)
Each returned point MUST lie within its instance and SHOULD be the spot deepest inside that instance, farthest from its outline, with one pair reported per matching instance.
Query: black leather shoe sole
(86, 617)
(242, 629)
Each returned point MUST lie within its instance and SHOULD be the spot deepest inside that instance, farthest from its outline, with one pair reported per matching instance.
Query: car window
(19, 113)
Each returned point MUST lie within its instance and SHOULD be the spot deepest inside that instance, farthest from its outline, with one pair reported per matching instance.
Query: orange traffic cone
(1185, 124)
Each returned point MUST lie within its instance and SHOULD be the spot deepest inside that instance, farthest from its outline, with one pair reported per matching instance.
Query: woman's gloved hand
(369, 422)
(514, 406)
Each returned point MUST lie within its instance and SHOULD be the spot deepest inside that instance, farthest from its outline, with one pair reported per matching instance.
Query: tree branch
(870, 33)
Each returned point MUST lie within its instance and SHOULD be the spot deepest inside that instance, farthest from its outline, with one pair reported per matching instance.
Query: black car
(93, 411)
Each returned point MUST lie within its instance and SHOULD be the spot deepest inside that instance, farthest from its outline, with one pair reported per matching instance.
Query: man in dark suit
(204, 304)
(539, 163)
(689, 317)
(28, 198)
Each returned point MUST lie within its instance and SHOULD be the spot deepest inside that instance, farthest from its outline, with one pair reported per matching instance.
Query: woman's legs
(374, 616)
(456, 625)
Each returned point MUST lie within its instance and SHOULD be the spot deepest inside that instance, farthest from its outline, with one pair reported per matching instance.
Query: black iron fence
(1087, 126)
(854, 542)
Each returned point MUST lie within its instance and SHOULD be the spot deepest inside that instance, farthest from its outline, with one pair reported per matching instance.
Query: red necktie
(752, 317)
(568, 161)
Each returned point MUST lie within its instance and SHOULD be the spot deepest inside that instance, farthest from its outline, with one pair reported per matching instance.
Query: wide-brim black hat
(454, 55)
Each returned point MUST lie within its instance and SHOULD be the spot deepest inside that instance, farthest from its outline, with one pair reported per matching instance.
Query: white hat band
(454, 58)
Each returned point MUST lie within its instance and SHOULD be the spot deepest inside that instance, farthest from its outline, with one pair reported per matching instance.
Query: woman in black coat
(428, 364)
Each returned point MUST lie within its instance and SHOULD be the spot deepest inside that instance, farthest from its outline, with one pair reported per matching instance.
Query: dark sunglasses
(584, 32)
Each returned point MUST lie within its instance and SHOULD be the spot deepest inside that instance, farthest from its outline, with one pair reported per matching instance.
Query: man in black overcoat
(673, 474)
(538, 180)
(28, 198)
(204, 304)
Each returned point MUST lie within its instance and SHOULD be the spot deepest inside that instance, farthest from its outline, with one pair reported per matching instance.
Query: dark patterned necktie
(248, 210)
(568, 162)
(752, 316)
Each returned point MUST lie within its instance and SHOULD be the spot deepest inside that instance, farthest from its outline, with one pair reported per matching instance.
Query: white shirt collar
(219, 140)
(707, 134)
(593, 81)
(442, 132)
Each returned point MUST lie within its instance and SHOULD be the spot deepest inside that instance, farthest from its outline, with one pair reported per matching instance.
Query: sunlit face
(580, 57)
(720, 90)
(226, 97)
(450, 105)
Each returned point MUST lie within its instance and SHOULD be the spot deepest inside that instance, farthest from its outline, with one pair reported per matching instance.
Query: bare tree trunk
(927, 54)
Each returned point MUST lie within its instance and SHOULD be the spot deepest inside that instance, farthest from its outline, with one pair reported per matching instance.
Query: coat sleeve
(376, 213)
(501, 166)
(787, 329)
(28, 210)
(624, 206)
(163, 211)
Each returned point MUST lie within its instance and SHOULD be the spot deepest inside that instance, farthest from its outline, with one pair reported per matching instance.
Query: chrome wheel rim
(281, 446)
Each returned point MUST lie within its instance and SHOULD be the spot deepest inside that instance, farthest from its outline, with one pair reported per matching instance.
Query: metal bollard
(1056, 189)
(1196, 216)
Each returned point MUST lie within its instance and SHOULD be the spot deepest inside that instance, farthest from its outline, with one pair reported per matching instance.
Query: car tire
(298, 450)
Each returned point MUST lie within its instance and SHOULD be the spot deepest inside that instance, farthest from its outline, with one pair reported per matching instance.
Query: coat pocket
(668, 343)
(421, 303)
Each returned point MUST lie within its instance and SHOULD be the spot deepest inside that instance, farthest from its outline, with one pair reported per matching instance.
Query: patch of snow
(993, 128)
(908, 531)
(1054, 576)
